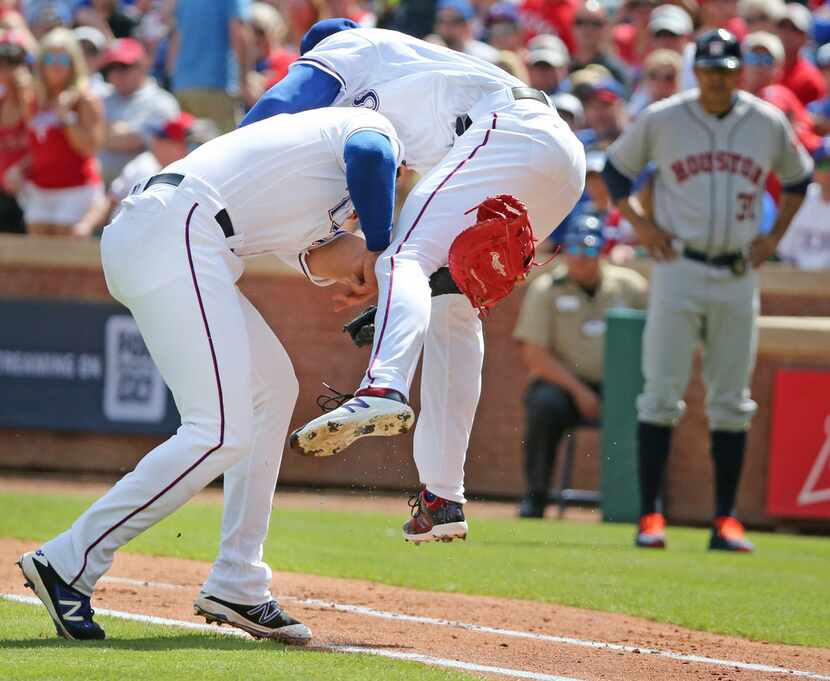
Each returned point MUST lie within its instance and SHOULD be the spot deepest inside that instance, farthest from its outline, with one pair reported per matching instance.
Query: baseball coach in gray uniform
(713, 148)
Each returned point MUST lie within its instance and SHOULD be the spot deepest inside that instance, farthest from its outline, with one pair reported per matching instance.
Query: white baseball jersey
(283, 179)
(382, 70)
(807, 242)
(711, 171)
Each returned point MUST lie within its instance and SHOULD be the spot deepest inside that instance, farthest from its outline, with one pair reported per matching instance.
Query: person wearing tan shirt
(561, 330)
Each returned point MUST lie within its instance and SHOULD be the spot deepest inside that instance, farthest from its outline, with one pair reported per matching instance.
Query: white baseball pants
(513, 147)
(166, 258)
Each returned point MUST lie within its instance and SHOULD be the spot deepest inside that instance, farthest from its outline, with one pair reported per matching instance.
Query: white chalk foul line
(550, 638)
(408, 657)
(566, 640)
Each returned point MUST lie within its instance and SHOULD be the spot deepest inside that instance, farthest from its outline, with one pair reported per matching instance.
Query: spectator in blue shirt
(820, 109)
(212, 55)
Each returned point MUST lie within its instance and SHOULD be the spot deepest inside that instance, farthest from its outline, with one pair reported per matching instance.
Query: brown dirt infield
(332, 627)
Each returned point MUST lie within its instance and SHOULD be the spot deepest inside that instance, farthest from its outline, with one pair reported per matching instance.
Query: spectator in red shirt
(799, 74)
(763, 61)
(631, 36)
(272, 58)
(721, 14)
(550, 16)
(63, 193)
(16, 103)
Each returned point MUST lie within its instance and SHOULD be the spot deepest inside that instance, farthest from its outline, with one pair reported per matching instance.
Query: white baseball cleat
(371, 412)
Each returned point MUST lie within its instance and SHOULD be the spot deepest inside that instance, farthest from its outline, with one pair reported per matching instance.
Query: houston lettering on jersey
(718, 162)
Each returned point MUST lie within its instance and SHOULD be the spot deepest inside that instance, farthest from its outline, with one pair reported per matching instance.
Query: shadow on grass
(179, 642)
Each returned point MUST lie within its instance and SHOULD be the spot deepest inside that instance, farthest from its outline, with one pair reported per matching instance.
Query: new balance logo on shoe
(361, 416)
(266, 612)
(70, 615)
(355, 402)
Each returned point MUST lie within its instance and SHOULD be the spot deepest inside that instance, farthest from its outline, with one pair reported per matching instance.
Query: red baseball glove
(487, 259)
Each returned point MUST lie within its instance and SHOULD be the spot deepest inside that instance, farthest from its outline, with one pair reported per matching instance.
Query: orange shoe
(728, 535)
(652, 532)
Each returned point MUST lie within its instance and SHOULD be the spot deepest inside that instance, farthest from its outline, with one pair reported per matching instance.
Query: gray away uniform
(708, 189)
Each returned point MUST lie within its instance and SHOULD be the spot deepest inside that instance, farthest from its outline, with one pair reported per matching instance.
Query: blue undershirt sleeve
(619, 186)
(371, 167)
(304, 87)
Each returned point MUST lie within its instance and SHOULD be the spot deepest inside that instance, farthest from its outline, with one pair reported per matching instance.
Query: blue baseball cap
(48, 11)
(502, 12)
(585, 232)
(322, 30)
(461, 7)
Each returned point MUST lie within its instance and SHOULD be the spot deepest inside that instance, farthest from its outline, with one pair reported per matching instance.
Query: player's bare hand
(761, 249)
(361, 285)
(588, 404)
(656, 241)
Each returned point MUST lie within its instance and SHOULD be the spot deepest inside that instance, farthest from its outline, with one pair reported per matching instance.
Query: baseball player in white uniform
(173, 254)
(473, 131)
(714, 149)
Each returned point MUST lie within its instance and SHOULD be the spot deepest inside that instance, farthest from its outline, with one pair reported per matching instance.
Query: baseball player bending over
(173, 256)
(713, 148)
(473, 131)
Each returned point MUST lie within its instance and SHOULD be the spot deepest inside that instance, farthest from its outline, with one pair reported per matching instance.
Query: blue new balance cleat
(69, 608)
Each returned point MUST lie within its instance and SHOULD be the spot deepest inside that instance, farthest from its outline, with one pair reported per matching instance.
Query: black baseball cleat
(267, 620)
(69, 608)
(434, 519)
(533, 506)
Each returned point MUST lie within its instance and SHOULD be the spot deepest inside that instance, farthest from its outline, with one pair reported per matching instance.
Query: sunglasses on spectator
(587, 251)
(664, 33)
(57, 59)
(663, 76)
(589, 23)
(759, 59)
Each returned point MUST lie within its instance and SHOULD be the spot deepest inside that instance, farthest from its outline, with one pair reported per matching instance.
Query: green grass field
(772, 595)
(140, 652)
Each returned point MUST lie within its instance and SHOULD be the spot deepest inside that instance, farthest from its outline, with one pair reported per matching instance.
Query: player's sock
(728, 455)
(653, 449)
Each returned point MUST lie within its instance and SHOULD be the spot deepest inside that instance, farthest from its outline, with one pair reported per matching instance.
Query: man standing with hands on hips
(714, 149)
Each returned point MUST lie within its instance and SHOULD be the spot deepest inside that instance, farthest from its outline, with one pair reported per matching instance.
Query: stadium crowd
(95, 94)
